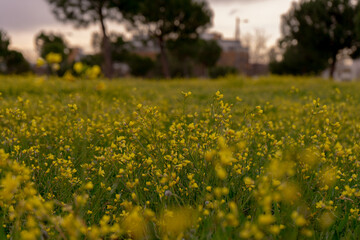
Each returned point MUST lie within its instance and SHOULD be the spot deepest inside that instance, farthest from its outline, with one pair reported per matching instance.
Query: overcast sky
(22, 19)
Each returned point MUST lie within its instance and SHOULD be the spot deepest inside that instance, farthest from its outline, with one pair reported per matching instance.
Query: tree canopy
(193, 53)
(318, 30)
(82, 13)
(171, 19)
(162, 20)
(357, 30)
(11, 61)
(4, 42)
(298, 61)
(50, 42)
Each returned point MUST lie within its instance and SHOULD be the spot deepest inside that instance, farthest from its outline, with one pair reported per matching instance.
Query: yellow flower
(93, 72)
(100, 86)
(10, 186)
(69, 77)
(78, 67)
(220, 172)
(175, 222)
(249, 182)
(326, 220)
(266, 219)
(135, 224)
(298, 219)
(53, 58)
(40, 62)
(101, 172)
(89, 186)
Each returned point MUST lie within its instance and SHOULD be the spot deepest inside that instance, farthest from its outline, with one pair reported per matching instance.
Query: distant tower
(237, 30)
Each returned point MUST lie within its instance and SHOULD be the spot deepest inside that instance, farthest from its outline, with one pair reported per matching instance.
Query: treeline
(173, 25)
(183, 55)
(11, 61)
(315, 33)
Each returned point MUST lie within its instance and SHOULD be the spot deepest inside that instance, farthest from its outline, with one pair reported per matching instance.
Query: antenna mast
(237, 30)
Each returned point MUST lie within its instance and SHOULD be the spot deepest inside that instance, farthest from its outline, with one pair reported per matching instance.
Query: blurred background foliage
(316, 34)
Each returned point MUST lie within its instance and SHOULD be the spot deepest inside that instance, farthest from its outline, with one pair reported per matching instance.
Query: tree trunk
(105, 48)
(164, 59)
(333, 68)
(205, 71)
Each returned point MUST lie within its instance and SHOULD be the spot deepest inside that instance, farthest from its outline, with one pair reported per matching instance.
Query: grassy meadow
(235, 158)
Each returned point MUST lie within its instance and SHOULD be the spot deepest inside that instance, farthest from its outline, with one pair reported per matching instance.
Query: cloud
(22, 15)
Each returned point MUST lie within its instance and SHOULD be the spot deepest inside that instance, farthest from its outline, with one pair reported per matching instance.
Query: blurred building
(75, 55)
(346, 70)
(120, 69)
(234, 54)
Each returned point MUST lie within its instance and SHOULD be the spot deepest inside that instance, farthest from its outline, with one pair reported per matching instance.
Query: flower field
(272, 158)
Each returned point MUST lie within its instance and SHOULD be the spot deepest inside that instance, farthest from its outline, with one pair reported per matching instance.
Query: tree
(139, 66)
(82, 13)
(171, 19)
(119, 47)
(49, 42)
(189, 53)
(323, 27)
(209, 53)
(356, 53)
(182, 56)
(122, 52)
(297, 61)
(16, 63)
(4, 43)
(11, 62)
